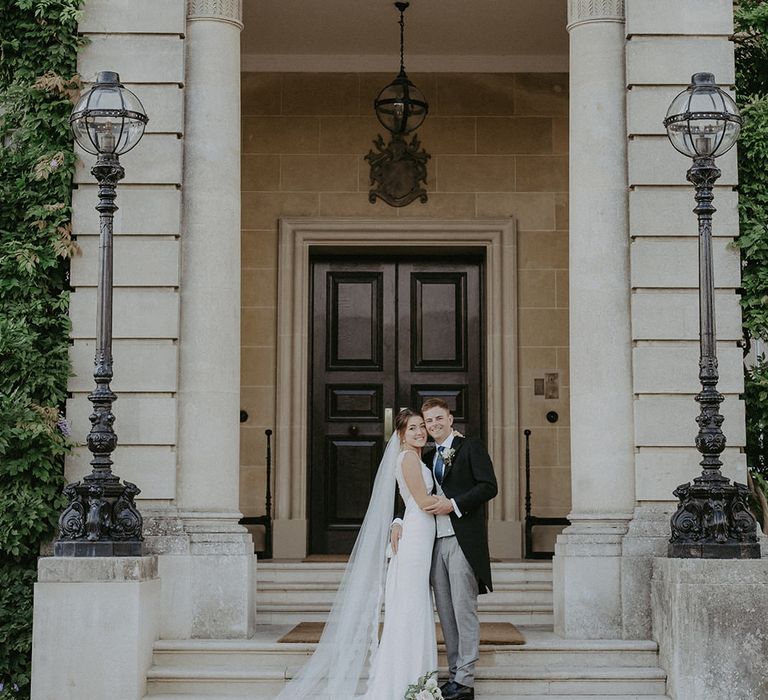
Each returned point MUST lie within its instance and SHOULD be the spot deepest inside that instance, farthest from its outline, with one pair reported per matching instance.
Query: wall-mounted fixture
(399, 168)
(547, 386)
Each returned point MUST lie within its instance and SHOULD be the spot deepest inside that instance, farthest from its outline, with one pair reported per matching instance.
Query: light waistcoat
(444, 525)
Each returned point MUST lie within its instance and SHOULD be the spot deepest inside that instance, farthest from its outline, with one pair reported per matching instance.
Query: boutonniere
(448, 456)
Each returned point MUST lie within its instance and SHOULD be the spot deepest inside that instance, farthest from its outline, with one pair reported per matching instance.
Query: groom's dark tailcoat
(469, 480)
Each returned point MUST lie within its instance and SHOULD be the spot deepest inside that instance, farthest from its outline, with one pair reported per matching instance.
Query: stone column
(215, 574)
(587, 565)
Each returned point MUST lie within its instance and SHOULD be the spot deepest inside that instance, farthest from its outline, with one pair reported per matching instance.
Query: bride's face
(415, 432)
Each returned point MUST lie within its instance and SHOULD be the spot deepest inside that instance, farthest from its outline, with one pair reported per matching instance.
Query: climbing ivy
(751, 24)
(38, 57)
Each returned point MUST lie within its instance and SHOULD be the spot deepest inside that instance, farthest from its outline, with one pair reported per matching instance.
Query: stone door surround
(298, 237)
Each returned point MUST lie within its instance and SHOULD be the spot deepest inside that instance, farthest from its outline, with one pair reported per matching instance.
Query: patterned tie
(439, 464)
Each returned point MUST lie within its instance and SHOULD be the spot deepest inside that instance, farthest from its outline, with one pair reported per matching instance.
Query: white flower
(425, 695)
(448, 456)
(431, 684)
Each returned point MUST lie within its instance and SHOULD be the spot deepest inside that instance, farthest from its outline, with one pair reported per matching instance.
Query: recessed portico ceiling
(440, 35)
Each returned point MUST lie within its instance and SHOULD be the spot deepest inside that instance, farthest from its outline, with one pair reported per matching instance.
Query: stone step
(494, 682)
(187, 696)
(540, 650)
(639, 680)
(275, 590)
(330, 572)
(546, 666)
(318, 596)
(292, 614)
(293, 592)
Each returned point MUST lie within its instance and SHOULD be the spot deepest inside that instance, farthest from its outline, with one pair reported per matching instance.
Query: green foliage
(15, 620)
(756, 394)
(38, 55)
(753, 217)
(751, 24)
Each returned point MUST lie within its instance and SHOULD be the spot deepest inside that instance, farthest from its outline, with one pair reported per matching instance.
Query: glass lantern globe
(703, 121)
(401, 106)
(108, 119)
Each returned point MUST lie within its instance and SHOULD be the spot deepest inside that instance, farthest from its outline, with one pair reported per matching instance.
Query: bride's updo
(402, 418)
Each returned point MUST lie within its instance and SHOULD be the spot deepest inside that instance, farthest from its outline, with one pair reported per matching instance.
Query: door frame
(298, 237)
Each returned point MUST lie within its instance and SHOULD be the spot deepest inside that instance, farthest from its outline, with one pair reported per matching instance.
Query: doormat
(326, 558)
(500, 633)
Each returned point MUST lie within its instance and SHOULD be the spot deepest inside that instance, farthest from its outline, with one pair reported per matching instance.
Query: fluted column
(587, 565)
(220, 553)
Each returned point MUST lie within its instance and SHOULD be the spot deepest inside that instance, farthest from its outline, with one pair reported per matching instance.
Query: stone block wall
(499, 145)
(667, 43)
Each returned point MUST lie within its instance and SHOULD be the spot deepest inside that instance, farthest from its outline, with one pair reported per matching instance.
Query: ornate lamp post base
(101, 520)
(97, 549)
(713, 521)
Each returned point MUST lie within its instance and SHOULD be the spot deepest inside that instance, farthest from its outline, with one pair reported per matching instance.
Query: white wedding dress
(407, 649)
(350, 662)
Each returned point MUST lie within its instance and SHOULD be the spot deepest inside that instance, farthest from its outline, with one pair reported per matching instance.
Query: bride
(350, 641)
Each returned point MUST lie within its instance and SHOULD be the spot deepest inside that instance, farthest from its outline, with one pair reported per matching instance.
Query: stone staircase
(291, 592)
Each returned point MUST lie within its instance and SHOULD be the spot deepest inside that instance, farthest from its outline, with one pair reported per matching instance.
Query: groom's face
(439, 423)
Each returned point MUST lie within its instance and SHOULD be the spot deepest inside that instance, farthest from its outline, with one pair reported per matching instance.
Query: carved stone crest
(397, 171)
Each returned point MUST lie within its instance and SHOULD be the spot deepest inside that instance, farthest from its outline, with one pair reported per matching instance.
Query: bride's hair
(402, 418)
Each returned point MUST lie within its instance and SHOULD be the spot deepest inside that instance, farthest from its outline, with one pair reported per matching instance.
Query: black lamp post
(712, 520)
(399, 167)
(101, 519)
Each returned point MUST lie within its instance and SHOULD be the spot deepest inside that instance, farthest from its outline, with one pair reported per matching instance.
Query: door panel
(438, 309)
(441, 346)
(351, 471)
(355, 311)
(385, 333)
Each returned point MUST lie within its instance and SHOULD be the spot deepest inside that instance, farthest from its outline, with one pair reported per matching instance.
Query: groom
(461, 568)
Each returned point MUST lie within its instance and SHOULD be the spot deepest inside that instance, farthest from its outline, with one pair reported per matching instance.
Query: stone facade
(608, 299)
(499, 149)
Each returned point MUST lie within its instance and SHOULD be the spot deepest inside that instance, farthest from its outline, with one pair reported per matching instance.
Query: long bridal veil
(351, 633)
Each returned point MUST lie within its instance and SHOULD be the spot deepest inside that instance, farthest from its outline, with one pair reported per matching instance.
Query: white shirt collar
(447, 442)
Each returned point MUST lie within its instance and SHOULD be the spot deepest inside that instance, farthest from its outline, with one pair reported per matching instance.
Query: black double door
(385, 333)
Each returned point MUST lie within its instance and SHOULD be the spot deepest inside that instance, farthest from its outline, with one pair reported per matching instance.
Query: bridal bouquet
(425, 688)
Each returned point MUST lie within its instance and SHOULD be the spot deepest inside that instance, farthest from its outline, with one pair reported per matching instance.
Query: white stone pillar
(216, 572)
(587, 565)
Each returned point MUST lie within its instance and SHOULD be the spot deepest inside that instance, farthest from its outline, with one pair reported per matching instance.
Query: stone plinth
(708, 619)
(208, 587)
(646, 539)
(95, 623)
(586, 577)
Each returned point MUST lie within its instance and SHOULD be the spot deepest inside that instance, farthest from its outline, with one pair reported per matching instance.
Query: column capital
(588, 11)
(230, 11)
